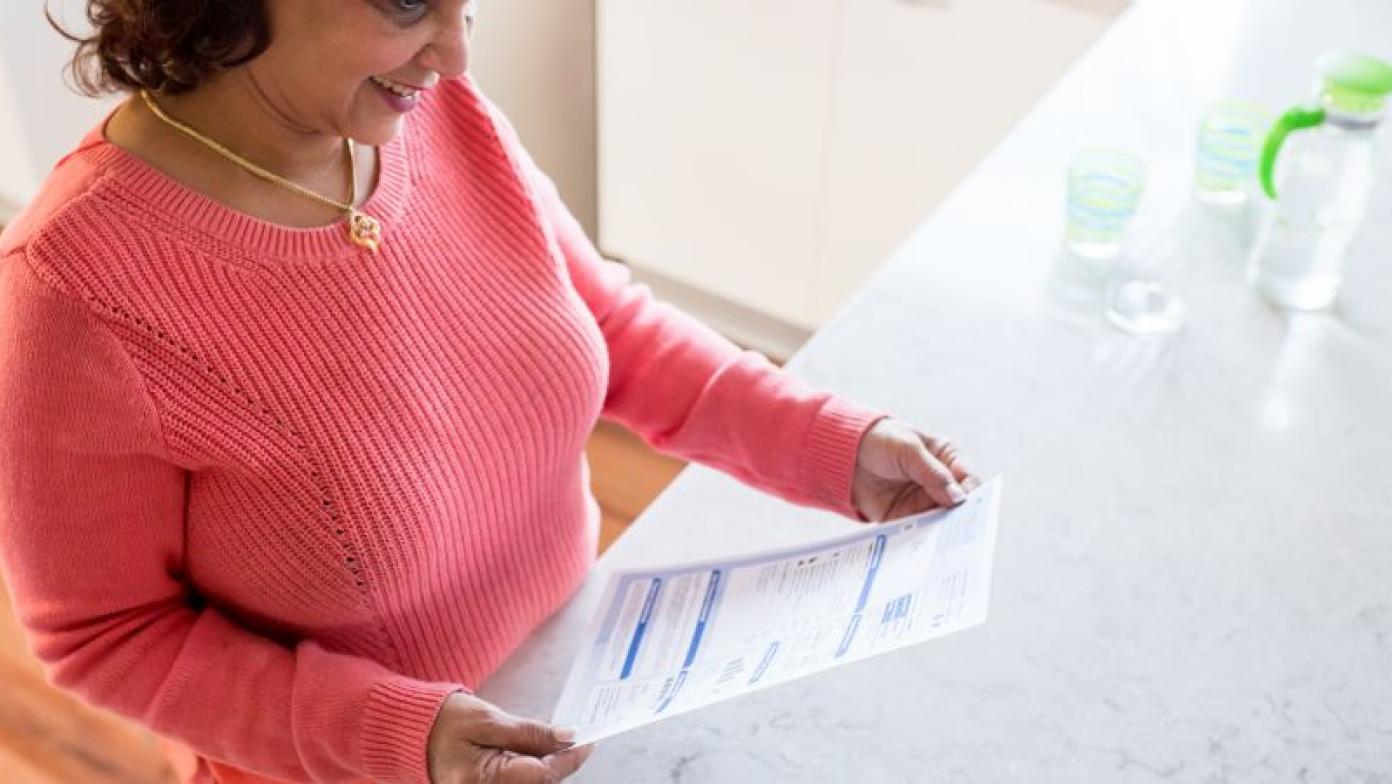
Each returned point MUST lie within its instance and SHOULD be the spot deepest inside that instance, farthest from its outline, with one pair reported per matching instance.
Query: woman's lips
(396, 102)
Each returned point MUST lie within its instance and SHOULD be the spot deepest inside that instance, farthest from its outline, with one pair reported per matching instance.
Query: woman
(301, 354)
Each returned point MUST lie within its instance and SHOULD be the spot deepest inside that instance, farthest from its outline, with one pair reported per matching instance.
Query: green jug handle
(1293, 120)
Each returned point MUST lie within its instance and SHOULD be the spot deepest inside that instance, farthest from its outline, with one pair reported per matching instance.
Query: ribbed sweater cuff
(832, 446)
(396, 729)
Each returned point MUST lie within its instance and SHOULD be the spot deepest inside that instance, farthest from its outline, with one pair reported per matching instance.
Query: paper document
(669, 640)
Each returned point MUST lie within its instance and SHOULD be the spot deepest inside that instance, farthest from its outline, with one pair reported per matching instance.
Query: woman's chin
(376, 132)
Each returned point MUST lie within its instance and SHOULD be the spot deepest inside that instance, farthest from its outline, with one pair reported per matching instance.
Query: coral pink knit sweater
(275, 497)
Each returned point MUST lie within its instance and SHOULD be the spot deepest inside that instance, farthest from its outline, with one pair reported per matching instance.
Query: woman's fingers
(511, 768)
(946, 452)
(568, 761)
(505, 767)
(513, 733)
(476, 741)
(935, 478)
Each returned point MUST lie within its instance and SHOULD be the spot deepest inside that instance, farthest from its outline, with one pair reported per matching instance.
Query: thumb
(934, 477)
(524, 736)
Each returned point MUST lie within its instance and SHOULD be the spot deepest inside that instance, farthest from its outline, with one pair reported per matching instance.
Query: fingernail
(564, 734)
(955, 491)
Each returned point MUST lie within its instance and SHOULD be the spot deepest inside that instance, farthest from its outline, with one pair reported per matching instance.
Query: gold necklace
(363, 229)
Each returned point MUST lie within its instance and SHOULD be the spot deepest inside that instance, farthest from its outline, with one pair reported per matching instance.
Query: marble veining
(1193, 578)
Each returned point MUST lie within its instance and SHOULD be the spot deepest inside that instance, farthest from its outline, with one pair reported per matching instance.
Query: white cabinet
(771, 153)
(712, 124)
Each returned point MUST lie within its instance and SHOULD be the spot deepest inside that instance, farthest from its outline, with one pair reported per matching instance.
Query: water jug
(1317, 168)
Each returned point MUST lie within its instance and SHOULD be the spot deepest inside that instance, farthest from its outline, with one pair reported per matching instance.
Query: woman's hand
(901, 470)
(476, 742)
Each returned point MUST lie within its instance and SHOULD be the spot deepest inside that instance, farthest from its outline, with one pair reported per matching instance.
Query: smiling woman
(295, 94)
(286, 497)
(323, 55)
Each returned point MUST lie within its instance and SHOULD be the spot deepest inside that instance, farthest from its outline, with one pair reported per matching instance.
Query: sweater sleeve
(689, 391)
(91, 542)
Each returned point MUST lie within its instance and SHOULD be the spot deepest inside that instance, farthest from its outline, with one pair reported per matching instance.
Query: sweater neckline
(276, 241)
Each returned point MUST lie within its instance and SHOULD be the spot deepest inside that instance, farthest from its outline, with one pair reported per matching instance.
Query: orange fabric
(329, 487)
(190, 768)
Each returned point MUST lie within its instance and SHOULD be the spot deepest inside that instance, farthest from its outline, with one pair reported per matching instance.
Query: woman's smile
(400, 97)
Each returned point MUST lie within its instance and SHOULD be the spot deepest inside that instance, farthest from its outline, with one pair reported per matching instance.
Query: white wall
(41, 118)
(16, 171)
(536, 59)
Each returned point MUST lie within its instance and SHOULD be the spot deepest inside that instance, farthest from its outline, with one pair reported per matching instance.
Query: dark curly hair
(165, 46)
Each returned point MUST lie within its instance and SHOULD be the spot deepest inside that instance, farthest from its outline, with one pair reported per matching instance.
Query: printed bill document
(670, 640)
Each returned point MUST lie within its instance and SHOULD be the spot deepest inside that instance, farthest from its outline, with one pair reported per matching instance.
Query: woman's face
(327, 59)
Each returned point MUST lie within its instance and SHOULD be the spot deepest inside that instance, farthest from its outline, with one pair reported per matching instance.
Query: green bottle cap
(1354, 82)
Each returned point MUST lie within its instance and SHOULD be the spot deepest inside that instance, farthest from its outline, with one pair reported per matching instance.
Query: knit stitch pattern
(276, 497)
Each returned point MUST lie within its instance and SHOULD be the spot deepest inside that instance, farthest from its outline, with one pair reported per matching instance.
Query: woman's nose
(448, 53)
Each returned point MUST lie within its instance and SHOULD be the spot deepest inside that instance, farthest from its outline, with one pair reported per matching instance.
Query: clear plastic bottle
(1321, 191)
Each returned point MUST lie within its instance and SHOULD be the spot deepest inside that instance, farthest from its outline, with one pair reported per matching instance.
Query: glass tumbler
(1104, 187)
(1146, 295)
(1229, 146)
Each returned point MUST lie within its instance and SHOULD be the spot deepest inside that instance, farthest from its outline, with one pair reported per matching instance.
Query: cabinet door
(923, 90)
(712, 123)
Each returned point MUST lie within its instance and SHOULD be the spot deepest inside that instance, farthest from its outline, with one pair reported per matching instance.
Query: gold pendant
(364, 229)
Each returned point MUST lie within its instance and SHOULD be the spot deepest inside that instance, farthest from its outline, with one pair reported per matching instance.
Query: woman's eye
(407, 8)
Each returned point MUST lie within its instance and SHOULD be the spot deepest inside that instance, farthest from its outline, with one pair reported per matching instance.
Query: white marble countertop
(1193, 576)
